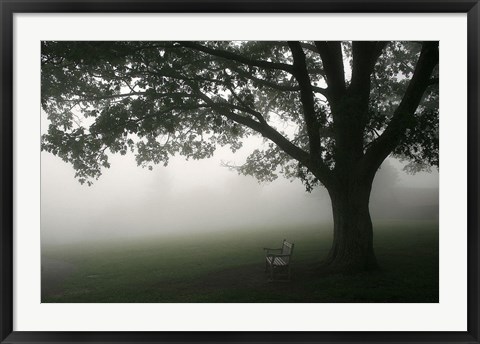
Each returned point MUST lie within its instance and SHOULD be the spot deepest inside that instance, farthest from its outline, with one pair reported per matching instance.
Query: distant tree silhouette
(352, 104)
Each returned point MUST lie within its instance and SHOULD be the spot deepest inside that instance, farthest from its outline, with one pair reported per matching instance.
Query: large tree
(350, 105)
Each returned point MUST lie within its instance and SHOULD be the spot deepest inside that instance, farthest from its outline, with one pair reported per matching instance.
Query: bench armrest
(268, 251)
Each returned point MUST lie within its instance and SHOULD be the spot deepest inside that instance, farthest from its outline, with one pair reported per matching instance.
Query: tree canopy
(319, 105)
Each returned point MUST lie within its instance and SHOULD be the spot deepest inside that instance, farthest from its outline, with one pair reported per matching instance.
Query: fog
(195, 196)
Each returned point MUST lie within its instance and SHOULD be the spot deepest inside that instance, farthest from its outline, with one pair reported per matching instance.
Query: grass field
(228, 267)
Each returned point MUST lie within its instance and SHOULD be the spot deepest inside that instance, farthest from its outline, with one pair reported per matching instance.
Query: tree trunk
(352, 248)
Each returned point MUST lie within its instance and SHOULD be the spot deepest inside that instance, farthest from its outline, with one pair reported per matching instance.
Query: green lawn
(228, 267)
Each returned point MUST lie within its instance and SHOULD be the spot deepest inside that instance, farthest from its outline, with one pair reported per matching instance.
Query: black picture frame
(10, 7)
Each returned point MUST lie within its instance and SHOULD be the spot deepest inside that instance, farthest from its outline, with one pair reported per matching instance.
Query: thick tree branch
(332, 58)
(246, 109)
(403, 115)
(365, 54)
(306, 97)
(228, 55)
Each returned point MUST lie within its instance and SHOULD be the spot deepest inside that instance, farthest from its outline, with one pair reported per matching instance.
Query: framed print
(245, 171)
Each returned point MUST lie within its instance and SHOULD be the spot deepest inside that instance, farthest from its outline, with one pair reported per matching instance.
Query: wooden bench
(277, 260)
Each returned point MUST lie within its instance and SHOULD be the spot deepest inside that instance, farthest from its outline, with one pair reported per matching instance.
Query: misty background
(202, 195)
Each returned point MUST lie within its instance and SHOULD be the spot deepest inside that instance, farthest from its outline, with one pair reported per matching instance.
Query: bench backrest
(287, 248)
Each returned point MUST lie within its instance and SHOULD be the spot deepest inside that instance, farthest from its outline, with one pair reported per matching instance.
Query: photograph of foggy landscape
(239, 172)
